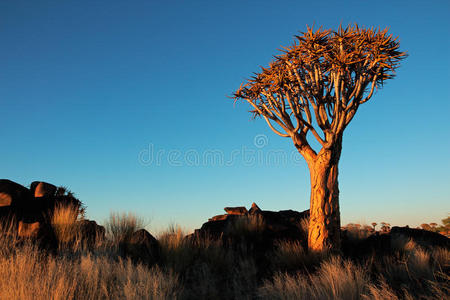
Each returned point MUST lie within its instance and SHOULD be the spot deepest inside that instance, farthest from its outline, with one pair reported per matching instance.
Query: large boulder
(374, 245)
(141, 247)
(29, 230)
(90, 233)
(13, 194)
(422, 237)
(381, 244)
(41, 233)
(42, 189)
(27, 213)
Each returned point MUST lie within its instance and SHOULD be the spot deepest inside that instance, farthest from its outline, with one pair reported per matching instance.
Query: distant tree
(433, 227)
(385, 227)
(426, 226)
(445, 227)
(318, 85)
(374, 225)
(368, 228)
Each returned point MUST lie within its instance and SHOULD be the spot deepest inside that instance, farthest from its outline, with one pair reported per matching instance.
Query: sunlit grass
(29, 275)
(120, 226)
(202, 267)
(64, 222)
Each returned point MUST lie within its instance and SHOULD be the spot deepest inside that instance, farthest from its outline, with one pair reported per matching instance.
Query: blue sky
(90, 89)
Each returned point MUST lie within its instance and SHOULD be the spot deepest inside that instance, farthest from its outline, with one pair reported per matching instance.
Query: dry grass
(172, 238)
(64, 222)
(26, 272)
(441, 258)
(381, 291)
(246, 226)
(335, 279)
(176, 253)
(410, 272)
(28, 275)
(289, 255)
(207, 268)
(304, 225)
(120, 226)
(193, 267)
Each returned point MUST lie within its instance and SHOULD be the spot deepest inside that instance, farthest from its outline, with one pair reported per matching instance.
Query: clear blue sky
(89, 88)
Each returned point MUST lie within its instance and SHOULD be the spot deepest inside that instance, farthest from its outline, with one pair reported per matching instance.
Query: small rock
(254, 209)
(218, 218)
(142, 247)
(91, 232)
(239, 210)
(5, 199)
(29, 230)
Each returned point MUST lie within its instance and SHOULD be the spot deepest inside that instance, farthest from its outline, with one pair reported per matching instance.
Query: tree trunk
(325, 220)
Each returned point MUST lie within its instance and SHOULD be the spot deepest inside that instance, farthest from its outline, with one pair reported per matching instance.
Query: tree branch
(273, 128)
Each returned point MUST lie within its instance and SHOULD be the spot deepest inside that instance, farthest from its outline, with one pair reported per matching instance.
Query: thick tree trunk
(325, 220)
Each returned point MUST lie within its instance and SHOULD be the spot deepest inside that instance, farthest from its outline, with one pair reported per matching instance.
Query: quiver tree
(316, 86)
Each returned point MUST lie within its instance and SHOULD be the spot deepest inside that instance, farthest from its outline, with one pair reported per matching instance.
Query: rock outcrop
(90, 233)
(141, 247)
(254, 232)
(42, 189)
(13, 195)
(421, 237)
(384, 243)
(28, 212)
(258, 226)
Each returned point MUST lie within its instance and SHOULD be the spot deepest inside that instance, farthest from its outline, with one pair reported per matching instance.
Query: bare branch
(274, 130)
(374, 83)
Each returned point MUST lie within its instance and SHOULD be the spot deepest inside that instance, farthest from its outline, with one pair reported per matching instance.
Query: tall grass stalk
(64, 222)
(120, 226)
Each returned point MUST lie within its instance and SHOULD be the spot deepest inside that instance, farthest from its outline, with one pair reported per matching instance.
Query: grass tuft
(120, 226)
(64, 222)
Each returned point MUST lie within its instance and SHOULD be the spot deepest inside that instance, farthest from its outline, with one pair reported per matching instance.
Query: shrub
(64, 222)
(120, 226)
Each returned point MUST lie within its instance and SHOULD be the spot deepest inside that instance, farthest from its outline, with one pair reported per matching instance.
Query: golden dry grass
(335, 279)
(29, 275)
(64, 222)
(27, 272)
(203, 268)
(120, 226)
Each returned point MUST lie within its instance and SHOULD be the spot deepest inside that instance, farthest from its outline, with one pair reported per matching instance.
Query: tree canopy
(325, 74)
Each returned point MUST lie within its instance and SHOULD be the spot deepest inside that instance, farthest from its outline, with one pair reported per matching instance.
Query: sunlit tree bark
(316, 87)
